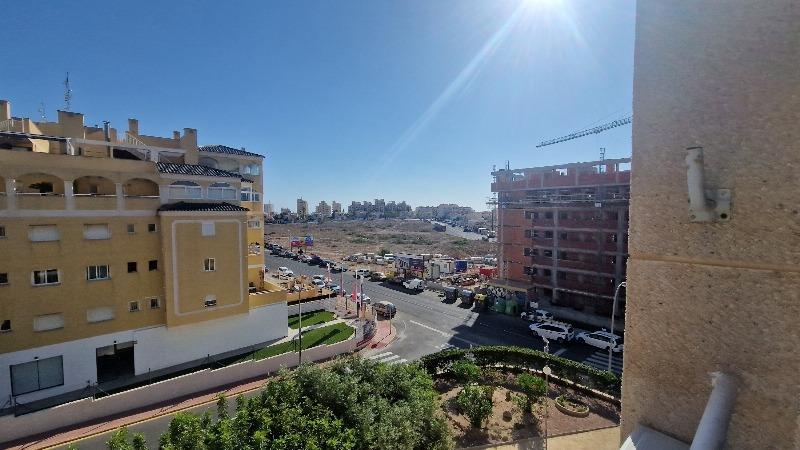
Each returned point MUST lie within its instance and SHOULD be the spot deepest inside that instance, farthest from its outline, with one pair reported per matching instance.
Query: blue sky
(410, 100)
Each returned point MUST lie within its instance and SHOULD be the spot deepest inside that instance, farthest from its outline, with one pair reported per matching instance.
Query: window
(152, 265)
(131, 228)
(535, 252)
(209, 265)
(100, 314)
(536, 233)
(37, 375)
(528, 270)
(208, 229)
(547, 272)
(548, 215)
(612, 215)
(563, 236)
(155, 303)
(151, 227)
(45, 277)
(210, 301)
(133, 306)
(43, 233)
(527, 251)
(548, 235)
(562, 255)
(3, 278)
(96, 231)
(97, 273)
(562, 275)
(132, 267)
(48, 322)
(253, 224)
(528, 233)
(5, 326)
(2, 232)
(563, 215)
(548, 253)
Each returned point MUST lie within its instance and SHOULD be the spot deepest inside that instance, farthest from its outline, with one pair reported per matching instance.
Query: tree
(119, 441)
(533, 387)
(475, 402)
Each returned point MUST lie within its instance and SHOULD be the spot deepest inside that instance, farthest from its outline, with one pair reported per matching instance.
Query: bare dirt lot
(338, 239)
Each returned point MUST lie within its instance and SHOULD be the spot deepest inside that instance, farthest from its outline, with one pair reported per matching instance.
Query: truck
(414, 284)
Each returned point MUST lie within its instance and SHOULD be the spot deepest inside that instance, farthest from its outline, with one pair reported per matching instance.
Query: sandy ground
(335, 240)
(521, 426)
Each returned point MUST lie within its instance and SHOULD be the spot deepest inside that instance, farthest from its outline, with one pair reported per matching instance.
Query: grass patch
(312, 318)
(321, 336)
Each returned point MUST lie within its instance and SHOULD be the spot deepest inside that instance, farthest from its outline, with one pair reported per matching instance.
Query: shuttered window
(43, 233)
(96, 231)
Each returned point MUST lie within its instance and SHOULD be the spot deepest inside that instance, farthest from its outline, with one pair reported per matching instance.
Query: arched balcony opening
(94, 186)
(229, 165)
(186, 190)
(41, 184)
(221, 191)
(140, 187)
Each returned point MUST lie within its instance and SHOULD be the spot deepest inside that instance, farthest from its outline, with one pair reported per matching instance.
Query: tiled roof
(185, 206)
(247, 180)
(227, 150)
(192, 169)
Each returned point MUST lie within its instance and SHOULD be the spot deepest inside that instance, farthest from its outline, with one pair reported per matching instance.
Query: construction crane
(586, 132)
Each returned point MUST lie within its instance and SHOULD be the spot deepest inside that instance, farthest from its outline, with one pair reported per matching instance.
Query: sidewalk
(602, 439)
(385, 333)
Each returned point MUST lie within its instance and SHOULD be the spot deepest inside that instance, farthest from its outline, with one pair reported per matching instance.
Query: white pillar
(163, 192)
(69, 194)
(153, 155)
(120, 197)
(713, 426)
(11, 193)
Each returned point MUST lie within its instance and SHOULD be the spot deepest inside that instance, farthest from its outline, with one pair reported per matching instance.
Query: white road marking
(560, 352)
(379, 356)
(443, 333)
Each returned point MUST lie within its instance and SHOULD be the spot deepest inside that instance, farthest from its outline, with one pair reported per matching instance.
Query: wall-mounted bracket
(705, 205)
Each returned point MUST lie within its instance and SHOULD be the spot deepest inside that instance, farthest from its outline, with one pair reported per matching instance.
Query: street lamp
(614, 313)
(547, 371)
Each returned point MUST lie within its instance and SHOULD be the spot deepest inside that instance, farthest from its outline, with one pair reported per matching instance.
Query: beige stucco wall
(707, 297)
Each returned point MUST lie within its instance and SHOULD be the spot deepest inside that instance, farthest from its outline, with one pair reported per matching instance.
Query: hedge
(578, 373)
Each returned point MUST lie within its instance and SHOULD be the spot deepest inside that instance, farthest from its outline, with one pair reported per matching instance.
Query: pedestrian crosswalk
(445, 346)
(599, 360)
(388, 358)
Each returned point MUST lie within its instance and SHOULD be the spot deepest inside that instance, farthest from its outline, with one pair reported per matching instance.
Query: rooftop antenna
(42, 112)
(67, 93)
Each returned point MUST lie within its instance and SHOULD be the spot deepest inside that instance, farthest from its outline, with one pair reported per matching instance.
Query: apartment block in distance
(124, 255)
(563, 232)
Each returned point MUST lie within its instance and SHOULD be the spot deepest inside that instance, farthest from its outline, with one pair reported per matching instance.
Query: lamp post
(614, 313)
(547, 371)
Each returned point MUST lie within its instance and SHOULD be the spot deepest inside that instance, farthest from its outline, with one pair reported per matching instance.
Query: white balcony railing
(248, 196)
(220, 193)
(186, 192)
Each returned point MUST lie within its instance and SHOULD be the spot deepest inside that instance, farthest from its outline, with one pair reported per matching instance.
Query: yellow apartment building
(124, 255)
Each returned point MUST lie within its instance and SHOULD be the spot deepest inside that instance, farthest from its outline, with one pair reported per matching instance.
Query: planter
(571, 407)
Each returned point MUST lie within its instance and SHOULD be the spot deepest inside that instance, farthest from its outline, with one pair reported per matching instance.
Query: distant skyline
(412, 100)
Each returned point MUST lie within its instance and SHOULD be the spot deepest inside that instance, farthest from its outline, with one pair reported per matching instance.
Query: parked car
(285, 272)
(319, 284)
(601, 339)
(287, 254)
(318, 278)
(414, 284)
(554, 331)
(450, 293)
(336, 267)
(362, 298)
(277, 251)
(335, 288)
(386, 309)
(377, 276)
(537, 315)
(315, 260)
(362, 273)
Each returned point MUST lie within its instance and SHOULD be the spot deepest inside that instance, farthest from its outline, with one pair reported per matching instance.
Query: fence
(85, 410)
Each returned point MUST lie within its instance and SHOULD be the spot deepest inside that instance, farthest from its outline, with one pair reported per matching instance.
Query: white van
(386, 309)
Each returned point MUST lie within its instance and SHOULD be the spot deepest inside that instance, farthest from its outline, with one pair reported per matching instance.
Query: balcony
(593, 288)
(142, 202)
(249, 196)
(543, 223)
(95, 201)
(541, 261)
(588, 224)
(28, 200)
(610, 247)
(587, 266)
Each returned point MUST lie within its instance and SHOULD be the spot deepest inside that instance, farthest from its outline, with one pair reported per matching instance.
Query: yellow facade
(136, 220)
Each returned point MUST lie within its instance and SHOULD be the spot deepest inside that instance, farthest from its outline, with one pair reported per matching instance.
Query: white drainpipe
(713, 427)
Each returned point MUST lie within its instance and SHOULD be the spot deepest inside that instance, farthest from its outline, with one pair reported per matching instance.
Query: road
(459, 232)
(425, 324)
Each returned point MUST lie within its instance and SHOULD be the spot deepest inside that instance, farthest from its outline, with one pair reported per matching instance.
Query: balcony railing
(40, 201)
(95, 201)
(250, 196)
(220, 193)
(186, 192)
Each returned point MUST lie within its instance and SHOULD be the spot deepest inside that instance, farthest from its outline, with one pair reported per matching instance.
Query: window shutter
(43, 233)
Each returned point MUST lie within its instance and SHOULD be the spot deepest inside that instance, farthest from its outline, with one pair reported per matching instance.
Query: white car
(285, 272)
(537, 315)
(364, 298)
(319, 278)
(553, 331)
(319, 284)
(601, 339)
(362, 273)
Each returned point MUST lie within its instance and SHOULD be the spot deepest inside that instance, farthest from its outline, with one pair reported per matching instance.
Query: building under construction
(563, 231)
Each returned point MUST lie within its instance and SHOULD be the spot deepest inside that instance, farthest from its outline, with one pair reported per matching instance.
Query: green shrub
(526, 358)
(475, 402)
(466, 371)
(533, 387)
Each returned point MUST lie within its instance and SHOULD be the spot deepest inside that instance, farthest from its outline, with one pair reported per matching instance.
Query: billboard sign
(302, 241)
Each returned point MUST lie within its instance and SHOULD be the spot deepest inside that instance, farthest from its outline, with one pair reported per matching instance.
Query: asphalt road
(424, 323)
